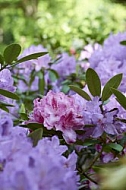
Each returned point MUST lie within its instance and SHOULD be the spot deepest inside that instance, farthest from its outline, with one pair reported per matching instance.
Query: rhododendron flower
(6, 83)
(110, 59)
(60, 112)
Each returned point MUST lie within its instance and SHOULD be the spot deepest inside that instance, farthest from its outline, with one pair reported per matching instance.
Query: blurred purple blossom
(26, 68)
(6, 83)
(65, 66)
(40, 168)
(110, 59)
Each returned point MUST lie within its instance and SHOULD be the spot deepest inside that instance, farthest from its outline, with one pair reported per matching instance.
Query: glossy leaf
(36, 136)
(80, 92)
(9, 94)
(93, 82)
(11, 53)
(119, 97)
(115, 146)
(31, 56)
(114, 82)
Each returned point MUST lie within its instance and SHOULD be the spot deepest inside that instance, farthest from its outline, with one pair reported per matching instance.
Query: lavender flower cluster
(92, 128)
(110, 59)
(23, 166)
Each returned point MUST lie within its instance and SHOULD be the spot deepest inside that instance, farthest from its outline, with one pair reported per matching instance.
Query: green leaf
(32, 126)
(4, 108)
(24, 116)
(93, 82)
(65, 89)
(22, 108)
(114, 82)
(1, 59)
(31, 56)
(115, 146)
(41, 84)
(5, 104)
(53, 75)
(123, 42)
(36, 136)
(80, 92)
(9, 94)
(11, 53)
(119, 97)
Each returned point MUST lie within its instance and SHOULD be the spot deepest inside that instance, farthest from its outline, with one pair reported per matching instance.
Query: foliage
(46, 22)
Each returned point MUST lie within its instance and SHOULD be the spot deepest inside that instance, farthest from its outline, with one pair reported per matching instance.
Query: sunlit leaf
(93, 82)
(80, 92)
(22, 108)
(11, 53)
(114, 82)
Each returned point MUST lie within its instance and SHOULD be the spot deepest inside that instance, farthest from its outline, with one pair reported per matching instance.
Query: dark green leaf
(114, 82)
(9, 94)
(115, 146)
(36, 136)
(123, 42)
(32, 126)
(93, 82)
(1, 59)
(31, 56)
(119, 97)
(24, 116)
(80, 92)
(4, 108)
(11, 53)
(5, 104)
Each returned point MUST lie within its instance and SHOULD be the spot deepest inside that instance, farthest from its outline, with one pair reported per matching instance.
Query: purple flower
(42, 167)
(6, 83)
(26, 68)
(110, 59)
(40, 62)
(101, 121)
(65, 66)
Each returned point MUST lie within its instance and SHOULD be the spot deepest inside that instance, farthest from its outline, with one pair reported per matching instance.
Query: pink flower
(60, 112)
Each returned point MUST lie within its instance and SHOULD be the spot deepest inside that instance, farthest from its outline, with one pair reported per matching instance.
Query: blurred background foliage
(59, 25)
